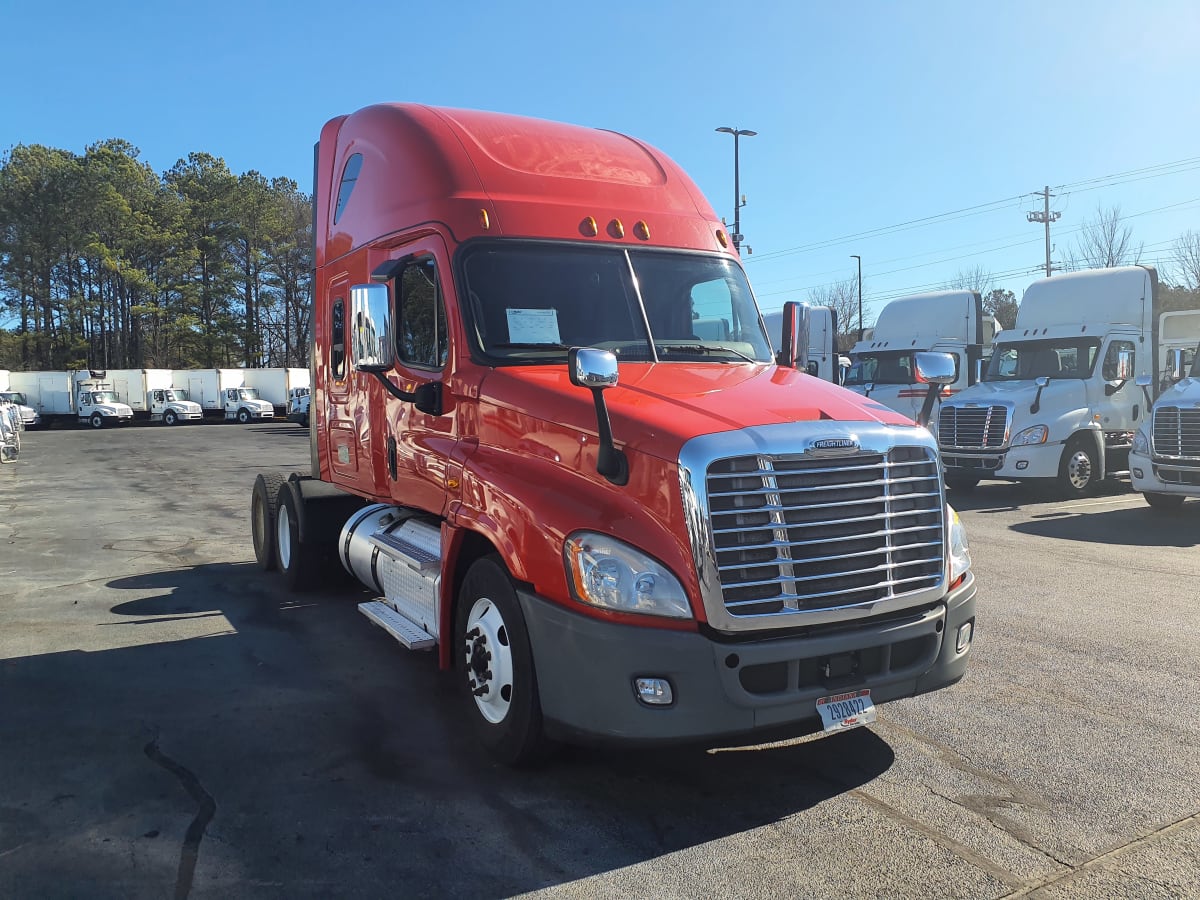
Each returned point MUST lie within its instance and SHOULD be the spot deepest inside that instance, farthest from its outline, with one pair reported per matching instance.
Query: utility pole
(1047, 217)
(738, 200)
(860, 325)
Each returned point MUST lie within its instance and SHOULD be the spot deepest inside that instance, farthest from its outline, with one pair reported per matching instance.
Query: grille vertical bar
(794, 534)
(973, 427)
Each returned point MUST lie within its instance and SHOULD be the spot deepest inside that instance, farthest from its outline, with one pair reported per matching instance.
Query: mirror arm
(1037, 400)
(427, 398)
(610, 462)
(931, 396)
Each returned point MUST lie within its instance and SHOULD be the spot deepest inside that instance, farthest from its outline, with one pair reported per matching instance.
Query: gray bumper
(585, 669)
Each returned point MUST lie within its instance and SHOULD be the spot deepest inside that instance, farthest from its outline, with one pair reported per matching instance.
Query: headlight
(960, 550)
(611, 574)
(1141, 444)
(1035, 435)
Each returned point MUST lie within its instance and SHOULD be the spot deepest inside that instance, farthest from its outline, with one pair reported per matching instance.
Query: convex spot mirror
(934, 368)
(1143, 381)
(371, 346)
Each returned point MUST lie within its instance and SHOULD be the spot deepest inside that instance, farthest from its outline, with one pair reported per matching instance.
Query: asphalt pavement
(172, 722)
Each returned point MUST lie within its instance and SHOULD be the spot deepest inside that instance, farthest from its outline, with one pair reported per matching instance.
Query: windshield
(1059, 358)
(530, 303)
(248, 393)
(13, 397)
(104, 396)
(176, 394)
(892, 367)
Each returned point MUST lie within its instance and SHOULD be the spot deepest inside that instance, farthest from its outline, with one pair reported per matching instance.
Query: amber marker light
(484, 220)
(589, 227)
(642, 230)
(722, 239)
(618, 228)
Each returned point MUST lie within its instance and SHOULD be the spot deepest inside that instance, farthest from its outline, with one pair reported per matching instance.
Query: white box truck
(96, 402)
(943, 321)
(243, 404)
(275, 385)
(26, 414)
(152, 394)
(1058, 400)
(1164, 463)
(207, 387)
(49, 393)
(822, 339)
(299, 399)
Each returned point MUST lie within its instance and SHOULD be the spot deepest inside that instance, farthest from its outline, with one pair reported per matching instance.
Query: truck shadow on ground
(1007, 496)
(1138, 526)
(298, 748)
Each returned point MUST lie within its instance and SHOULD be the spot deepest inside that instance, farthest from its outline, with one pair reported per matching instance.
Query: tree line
(106, 264)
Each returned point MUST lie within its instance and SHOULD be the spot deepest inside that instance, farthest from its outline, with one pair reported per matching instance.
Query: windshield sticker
(533, 326)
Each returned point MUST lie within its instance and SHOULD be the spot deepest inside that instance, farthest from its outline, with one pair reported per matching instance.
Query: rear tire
(298, 562)
(1164, 502)
(1078, 471)
(264, 506)
(495, 665)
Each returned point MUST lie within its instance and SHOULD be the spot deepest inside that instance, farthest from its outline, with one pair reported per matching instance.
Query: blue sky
(868, 115)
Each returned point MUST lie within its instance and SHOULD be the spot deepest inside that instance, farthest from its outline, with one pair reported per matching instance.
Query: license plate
(842, 711)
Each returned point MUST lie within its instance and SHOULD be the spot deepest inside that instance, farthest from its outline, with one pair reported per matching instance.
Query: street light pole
(860, 322)
(738, 203)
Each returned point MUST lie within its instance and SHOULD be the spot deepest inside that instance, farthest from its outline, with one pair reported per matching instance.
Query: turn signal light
(617, 228)
(484, 220)
(642, 230)
(722, 239)
(589, 227)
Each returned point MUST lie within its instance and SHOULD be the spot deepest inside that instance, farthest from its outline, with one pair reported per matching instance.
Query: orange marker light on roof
(642, 230)
(618, 229)
(721, 239)
(484, 220)
(589, 227)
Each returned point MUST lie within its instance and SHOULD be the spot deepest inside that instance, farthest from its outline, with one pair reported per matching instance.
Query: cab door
(1120, 403)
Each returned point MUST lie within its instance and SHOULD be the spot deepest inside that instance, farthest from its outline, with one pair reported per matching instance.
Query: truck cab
(98, 406)
(551, 435)
(172, 406)
(1164, 462)
(30, 418)
(299, 399)
(243, 404)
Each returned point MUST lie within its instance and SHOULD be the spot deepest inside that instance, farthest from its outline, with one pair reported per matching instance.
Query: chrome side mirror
(1124, 365)
(371, 346)
(1041, 381)
(1176, 365)
(934, 368)
(596, 370)
(591, 368)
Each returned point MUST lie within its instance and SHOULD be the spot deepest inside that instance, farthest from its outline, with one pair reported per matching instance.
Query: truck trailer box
(49, 392)
(133, 385)
(207, 386)
(276, 384)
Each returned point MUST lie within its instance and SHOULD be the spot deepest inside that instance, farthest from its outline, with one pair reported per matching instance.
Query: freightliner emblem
(846, 445)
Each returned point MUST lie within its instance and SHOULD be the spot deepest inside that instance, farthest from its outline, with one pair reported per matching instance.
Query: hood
(1059, 394)
(1181, 394)
(187, 406)
(657, 407)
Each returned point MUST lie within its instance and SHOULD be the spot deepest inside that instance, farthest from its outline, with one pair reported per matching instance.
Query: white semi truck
(824, 360)
(1058, 400)
(943, 321)
(299, 400)
(1164, 463)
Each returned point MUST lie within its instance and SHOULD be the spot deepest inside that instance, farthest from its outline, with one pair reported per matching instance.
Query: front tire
(169, 417)
(264, 508)
(1078, 472)
(96, 421)
(1164, 502)
(495, 664)
(243, 416)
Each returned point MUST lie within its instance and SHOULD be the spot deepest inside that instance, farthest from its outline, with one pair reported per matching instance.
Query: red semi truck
(550, 434)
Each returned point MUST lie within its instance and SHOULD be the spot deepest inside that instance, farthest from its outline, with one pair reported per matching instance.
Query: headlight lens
(960, 550)
(1141, 444)
(1035, 435)
(611, 574)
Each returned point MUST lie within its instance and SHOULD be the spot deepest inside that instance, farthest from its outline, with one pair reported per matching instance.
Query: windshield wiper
(703, 348)
(531, 346)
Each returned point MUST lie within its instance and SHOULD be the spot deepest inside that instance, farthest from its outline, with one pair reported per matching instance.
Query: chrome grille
(973, 427)
(793, 534)
(1177, 432)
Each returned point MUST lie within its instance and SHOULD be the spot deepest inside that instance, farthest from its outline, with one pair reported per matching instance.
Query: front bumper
(1149, 476)
(1011, 463)
(586, 668)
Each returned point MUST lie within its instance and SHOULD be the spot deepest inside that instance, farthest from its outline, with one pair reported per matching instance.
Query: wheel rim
(489, 661)
(283, 531)
(1079, 470)
(243, 417)
(170, 417)
(97, 421)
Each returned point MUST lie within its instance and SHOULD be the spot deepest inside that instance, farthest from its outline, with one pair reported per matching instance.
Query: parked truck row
(169, 396)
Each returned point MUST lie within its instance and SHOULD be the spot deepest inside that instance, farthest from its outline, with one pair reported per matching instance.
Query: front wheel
(96, 421)
(1164, 501)
(243, 416)
(1078, 472)
(169, 417)
(495, 664)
